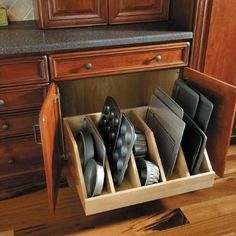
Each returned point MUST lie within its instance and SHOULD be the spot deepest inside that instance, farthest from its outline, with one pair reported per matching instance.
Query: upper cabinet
(130, 11)
(71, 13)
(74, 13)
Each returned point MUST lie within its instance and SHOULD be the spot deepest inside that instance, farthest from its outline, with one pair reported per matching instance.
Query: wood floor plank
(209, 212)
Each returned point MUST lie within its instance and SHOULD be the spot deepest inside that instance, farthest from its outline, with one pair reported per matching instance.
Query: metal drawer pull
(5, 126)
(11, 161)
(35, 128)
(2, 102)
(158, 58)
(88, 66)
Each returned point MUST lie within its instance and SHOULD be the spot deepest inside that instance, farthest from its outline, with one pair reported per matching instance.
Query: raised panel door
(130, 11)
(71, 13)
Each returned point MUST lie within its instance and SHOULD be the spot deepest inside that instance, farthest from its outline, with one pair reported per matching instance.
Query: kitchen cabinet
(72, 13)
(24, 84)
(213, 53)
(219, 59)
(90, 63)
(129, 11)
(71, 66)
(64, 13)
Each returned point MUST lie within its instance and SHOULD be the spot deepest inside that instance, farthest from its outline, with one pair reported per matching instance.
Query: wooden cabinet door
(71, 13)
(221, 48)
(50, 129)
(223, 97)
(130, 11)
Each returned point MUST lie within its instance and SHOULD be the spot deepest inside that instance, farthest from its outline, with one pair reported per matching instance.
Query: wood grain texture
(182, 14)
(135, 89)
(72, 13)
(23, 71)
(221, 49)
(18, 124)
(22, 183)
(50, 124)
(202, 14)
(130, 191)
(130, 11)
(209, 212)
(19, 155)
(78, 65)
(223, 97)
(22, 98)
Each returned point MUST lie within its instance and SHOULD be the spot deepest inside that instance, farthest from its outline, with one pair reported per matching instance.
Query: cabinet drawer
(12, 186)
(116, 61)
(25, 70)
(19, 124)
(22, 98)
(19, 156)
(131, 192)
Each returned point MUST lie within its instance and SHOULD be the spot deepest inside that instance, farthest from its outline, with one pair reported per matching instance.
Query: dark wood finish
(131, 11)
(50, 124)
(215, 30)
(223, 97)
(15, 185)
(24, 82)
(221, 49)
(22, 98)
(116, 61)
(18, 124)
(71, 13)
(19, 156)
(201, 28)
(182, 14)
(23, 71)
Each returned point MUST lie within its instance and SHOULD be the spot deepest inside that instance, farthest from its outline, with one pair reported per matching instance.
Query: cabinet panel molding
(70, 13)
(130, 11)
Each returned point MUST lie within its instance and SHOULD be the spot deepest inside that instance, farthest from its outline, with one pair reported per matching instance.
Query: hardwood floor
(206, 212)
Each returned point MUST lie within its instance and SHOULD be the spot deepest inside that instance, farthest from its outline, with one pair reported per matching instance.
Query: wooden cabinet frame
(50, 15)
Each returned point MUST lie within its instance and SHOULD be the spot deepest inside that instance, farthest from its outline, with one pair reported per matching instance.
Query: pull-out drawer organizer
(131, 192)
(57, 145)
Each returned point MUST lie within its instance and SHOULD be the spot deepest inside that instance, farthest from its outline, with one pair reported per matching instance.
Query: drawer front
(115, 61)
(20, 124)
(19, 156)
(21, 99)
(25, 70)
(20, 184)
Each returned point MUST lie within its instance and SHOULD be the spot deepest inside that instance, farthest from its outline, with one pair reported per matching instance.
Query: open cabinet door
(50, 129)
(219, 131)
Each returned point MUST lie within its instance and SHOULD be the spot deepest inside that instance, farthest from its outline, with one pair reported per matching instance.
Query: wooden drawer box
(131, 192)
(20, 99)
(18, 124)
(19, 156)
(24, 70)
(116, 61)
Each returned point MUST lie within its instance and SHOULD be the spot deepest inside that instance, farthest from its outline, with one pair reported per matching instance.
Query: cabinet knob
(5, 126)
(2, 102)
(158, 58)
(88, 66)
(11, 161)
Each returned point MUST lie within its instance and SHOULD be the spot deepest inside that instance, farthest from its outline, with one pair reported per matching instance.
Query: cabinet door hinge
(64, 157)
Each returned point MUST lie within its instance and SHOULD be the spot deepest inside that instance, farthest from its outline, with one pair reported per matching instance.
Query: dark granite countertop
(25, 37)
